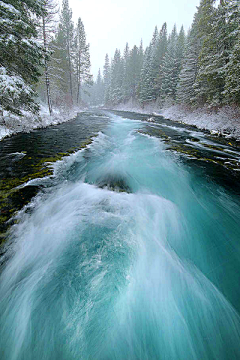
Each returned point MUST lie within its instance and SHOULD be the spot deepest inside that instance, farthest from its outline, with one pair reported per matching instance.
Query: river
(129, 250)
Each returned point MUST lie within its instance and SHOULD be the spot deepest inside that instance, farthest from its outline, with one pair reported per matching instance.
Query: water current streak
(130, 255)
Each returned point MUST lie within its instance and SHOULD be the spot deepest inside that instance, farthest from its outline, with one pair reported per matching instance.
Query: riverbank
(26, 162)
(11, 124)
(223, 122)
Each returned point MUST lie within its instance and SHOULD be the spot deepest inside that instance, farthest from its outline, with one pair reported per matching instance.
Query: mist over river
(130, 250)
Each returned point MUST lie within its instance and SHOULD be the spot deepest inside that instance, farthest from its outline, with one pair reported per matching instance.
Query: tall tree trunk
(47, 81)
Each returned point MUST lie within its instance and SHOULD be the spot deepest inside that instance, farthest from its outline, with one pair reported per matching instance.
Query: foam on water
(134, 273)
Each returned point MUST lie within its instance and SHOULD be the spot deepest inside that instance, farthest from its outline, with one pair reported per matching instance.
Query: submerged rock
(114, 183)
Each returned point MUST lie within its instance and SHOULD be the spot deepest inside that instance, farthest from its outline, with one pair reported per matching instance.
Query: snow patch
(12, 124)
(4, 132)
(132, 106)
(224, 122)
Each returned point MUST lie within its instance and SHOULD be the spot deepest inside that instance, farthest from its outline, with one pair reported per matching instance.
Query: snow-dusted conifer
(21, 56)
(47, 28)
(232, 70)
(81, 60)
(145, 90)
(99, 89)
(159, 54)
(170, 67)
(216, 51)
(209, 82)
(135, 65)
(153, 65)
(117, 71)
(188, 74)
(107, 80)
(126, 75)
(232, 84)
(63, 55)
(148, 72)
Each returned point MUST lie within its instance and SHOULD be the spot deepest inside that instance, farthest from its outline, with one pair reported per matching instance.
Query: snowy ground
(10, 124)
(225, 122)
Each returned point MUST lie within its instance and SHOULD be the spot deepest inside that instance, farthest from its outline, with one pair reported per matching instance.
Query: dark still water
(27, 156)
(130, 250)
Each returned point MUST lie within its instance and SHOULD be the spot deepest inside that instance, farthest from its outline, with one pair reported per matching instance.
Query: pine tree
(232, 85)
(135, 65)
(216, 50)
(154, 64)
(126, 75)
(159, 54)
(149, 70)
(63, 55)
(233, 21)
(47, 27)
(99, 89)
(117, 70)
(141, 58)
(185, 89)
(231, 91)
(188, 74)
(171, 66)
(145, 90)
(180, 50)
(81, 58)
(210, 82)
(21, 56)
(107, 80)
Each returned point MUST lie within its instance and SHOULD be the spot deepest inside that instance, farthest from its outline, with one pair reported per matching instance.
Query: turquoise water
(129, 255)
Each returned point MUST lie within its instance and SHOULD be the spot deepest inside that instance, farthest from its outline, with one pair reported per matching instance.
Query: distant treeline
(199, 68)
(44, 57)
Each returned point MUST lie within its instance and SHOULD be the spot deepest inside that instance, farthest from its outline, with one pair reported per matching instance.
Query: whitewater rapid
(128, 255)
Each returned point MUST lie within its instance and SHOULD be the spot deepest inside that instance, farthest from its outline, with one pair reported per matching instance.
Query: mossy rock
(13, 197)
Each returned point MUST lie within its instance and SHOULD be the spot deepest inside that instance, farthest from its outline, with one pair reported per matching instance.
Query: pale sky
(109, 24)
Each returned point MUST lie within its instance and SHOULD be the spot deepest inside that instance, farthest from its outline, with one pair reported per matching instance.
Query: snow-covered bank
(134, 107)
(225, 121)
(12, 124)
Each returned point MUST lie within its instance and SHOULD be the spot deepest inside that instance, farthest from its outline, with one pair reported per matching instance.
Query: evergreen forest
(45, 58)
(197, 68)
